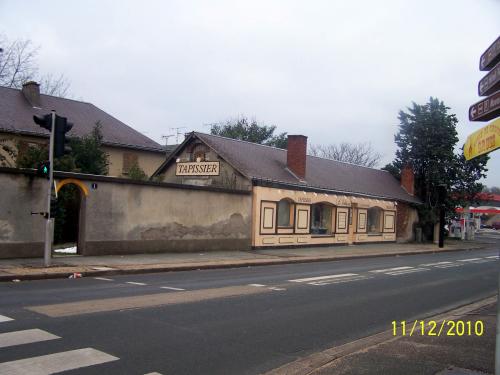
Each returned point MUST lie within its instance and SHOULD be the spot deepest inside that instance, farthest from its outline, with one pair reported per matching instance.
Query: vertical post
(497, 341)
(47, 253)
(441, 226)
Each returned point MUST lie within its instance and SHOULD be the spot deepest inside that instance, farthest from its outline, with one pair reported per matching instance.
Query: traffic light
(62, 127)
(45, 121)
(53, 206)
(43, 169)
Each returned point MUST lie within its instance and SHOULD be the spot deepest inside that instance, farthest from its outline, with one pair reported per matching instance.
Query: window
(321, 219)
(129, 160)
(374, 219)
(284, 213)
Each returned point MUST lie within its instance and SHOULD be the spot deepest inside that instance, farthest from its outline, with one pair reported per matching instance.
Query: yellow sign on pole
(482, 141)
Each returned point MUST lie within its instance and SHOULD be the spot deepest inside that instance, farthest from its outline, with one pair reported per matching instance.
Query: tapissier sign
(206, 168)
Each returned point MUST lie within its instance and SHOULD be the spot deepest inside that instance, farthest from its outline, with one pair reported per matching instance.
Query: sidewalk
(63, 266)
(445, 352)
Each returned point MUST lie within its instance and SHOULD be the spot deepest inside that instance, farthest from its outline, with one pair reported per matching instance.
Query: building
(124, 145)
(299, 200)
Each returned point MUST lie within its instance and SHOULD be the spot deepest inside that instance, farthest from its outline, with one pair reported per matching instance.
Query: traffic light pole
(47, 254)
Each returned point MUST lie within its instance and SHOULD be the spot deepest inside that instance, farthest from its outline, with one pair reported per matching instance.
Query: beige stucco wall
(346, 210)
(148, 161)
(228, 177)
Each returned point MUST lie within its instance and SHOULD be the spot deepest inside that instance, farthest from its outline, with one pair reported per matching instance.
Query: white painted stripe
(4, 318)
(103, 279)
(57, 362)
(469, 260)
(435, 264)
(134, 283)
(170, 288)
(27, 336)
(153, 373)
(340, 281)
(403, 272)
(276, 288)
(450, 265)
(323, 277)
(494, 257)
(257, 285)
(391, 269)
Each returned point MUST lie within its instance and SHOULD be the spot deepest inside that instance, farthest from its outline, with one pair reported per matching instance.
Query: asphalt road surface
(229, 321)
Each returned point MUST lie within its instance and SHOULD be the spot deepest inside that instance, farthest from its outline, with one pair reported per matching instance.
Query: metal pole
(47, 253)
(497, 341)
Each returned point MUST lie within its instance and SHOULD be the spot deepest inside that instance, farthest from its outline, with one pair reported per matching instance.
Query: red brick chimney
(31, 91)
(408, 179)
(296, 155)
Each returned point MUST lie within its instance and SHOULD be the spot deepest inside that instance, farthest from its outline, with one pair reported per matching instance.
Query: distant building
(124, 145)
(299, 200)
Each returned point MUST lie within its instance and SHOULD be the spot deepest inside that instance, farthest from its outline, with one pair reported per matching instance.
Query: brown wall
(405, 221)
(126, 217)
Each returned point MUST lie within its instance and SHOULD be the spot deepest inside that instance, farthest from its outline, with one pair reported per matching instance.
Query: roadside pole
(47, 254)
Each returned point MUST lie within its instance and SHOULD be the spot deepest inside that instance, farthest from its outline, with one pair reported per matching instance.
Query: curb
(205, 266)
(310, 364)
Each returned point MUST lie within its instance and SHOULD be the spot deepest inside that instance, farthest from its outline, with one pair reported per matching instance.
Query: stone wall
(123, 216)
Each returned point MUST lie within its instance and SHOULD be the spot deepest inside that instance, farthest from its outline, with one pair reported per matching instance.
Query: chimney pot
(296, 155)
(31, 91)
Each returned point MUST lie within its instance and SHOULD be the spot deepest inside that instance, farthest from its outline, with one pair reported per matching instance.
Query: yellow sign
(482, 141)
(203, 168)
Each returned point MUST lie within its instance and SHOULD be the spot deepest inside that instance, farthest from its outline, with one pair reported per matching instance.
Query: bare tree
(18, 64)
(360, 153)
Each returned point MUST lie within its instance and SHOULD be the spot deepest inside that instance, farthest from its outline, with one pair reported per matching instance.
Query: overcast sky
(332, 70)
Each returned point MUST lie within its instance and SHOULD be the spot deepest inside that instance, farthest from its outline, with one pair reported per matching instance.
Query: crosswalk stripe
(435, 264)
(322, 278)
(153, 373)
(493, 257)
(4, 318)
(450, 265)
(391, 269)
(57, 362)
(339, 281)
(276, 288)
(135, 283)
(27, 336)
(469, 260)
(170, 288)
(404, 272)
(257, 285)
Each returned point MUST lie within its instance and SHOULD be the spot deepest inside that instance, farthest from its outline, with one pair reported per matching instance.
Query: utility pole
(47, 253)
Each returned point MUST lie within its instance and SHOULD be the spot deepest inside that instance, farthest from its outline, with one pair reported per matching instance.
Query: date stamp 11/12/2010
(435, 328)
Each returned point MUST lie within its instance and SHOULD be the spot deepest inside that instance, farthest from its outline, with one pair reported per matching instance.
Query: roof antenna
(178, 133)
(166, 137)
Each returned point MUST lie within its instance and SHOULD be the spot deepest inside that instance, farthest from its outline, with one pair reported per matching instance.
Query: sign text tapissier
(207, 168)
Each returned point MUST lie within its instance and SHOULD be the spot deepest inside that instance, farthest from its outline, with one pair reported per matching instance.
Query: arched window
(321, 219)
(285, 214)
(374, 220)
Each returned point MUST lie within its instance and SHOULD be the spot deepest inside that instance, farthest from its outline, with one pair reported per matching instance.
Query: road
(228, 321)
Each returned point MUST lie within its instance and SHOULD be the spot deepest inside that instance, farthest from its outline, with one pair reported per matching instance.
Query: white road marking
(25, 337)
(494, 257)
(451, 265)
(57, 362)
(276, 288)
(4, 318)
(391, 269)
(435, 264)
(134, 283)
(170, 288)
(153, 373)
(103, 279)
(257, 285)
(404, 272)
(339, 281)
(323, 278)
(468, 260)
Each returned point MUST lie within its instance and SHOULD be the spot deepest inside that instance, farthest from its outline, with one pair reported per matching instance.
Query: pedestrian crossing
(394, 271)
(50, 363)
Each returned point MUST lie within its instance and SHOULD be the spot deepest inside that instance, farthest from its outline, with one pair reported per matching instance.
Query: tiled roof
(269, 163)
(16, 116)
